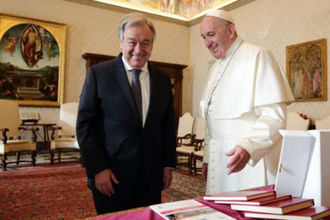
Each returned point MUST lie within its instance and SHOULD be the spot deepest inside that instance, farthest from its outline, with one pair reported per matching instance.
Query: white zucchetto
(221, 14)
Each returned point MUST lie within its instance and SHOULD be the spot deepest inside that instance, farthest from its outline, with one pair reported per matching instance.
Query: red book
(259, 201)
(280, 207)
(239, 195)
(313, 213)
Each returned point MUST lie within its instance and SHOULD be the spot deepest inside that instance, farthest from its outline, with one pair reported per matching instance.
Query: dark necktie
(136, 88)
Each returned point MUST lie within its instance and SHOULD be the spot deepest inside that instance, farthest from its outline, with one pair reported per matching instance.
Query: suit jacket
(110, 132)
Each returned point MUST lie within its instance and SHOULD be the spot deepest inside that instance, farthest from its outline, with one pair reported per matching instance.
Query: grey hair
(134, 19)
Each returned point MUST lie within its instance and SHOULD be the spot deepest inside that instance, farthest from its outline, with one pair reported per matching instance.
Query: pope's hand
(239, 158)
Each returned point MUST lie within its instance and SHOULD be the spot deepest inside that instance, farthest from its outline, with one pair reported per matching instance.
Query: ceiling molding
(187, 22)
(230, 7)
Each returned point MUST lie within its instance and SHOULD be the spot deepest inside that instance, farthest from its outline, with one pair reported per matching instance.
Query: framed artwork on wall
(307, 70)
(32, 61)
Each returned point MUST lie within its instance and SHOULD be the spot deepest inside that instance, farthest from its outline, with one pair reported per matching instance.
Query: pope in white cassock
(244, 104)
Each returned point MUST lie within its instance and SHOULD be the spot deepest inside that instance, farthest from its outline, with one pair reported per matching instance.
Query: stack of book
(269, 205)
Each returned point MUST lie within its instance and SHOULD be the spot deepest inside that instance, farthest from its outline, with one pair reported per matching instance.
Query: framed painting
(307, 70)
(32, 56)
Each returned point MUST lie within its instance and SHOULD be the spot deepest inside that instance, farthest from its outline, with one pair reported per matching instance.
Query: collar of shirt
(143, 75)
(233, 47)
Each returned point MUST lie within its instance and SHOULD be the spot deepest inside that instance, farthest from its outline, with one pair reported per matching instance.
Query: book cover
(318, 177)
(313, 213)
(259, 201)
(296, 153)
(280, 207)
(239, 195)
(188, 209)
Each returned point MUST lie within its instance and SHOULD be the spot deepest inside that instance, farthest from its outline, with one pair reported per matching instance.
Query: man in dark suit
(127, 141)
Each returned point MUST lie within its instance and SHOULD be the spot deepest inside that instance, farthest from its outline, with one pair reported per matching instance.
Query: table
(147, 214)
(45, 128)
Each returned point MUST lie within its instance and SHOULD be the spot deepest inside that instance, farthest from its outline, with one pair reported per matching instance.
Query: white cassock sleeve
(265, 133)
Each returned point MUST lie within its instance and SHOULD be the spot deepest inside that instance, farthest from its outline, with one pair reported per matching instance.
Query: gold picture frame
(307, 70)
(32, 61)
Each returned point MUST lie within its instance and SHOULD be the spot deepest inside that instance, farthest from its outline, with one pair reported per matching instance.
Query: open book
(29, 117)
(188, 209)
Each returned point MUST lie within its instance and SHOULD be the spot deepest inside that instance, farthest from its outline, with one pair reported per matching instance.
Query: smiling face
(137, 45)
(218, 35)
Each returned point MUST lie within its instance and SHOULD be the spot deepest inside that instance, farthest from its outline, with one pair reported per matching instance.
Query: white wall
(274, 25)
(94, 30)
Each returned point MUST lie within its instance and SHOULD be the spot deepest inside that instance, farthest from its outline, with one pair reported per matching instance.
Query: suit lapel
(153, 91)
(122, 80)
